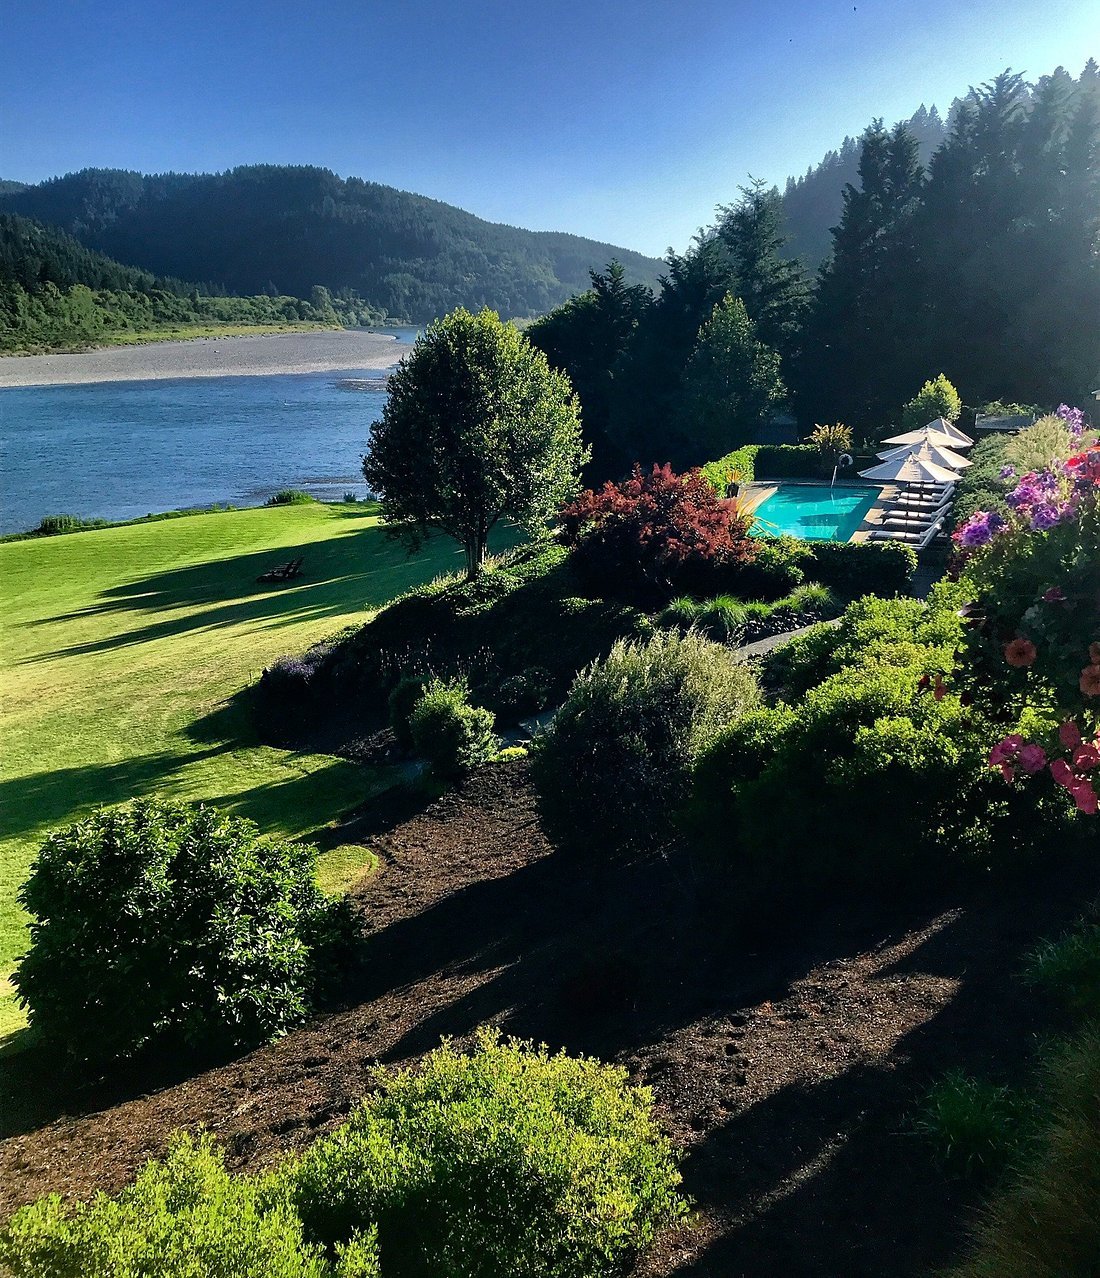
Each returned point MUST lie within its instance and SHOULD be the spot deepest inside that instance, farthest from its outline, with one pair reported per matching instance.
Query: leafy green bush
(972, 1125)
(981, 486)
(1069, 968)
(778, 567)
(54, 525)
(1044, 1223)
(406, 693)
(182, 1218)
(617, 758)
(162, 925)
(855, 568)
(787, 461)
(1047, 441)
(508, 1161)
(289, 497)
(738, 467)
(878, 774)
(936, 398)
(732, 620)
(448, 731)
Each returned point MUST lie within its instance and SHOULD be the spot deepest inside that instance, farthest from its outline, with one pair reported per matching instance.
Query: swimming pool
(813, 513)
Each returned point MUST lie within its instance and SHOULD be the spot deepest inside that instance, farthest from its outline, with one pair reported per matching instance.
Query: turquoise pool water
(815, 514)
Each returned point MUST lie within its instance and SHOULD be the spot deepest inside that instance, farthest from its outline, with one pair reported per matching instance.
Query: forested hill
(813, 203)
(283, 230)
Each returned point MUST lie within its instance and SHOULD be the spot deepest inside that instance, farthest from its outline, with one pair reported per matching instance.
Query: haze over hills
(284, 230)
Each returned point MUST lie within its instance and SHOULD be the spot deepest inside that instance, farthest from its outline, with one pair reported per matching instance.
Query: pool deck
(754, 494)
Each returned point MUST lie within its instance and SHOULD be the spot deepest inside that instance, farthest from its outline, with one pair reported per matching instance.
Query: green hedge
(740, 466)
(854, 568)
(788, 461)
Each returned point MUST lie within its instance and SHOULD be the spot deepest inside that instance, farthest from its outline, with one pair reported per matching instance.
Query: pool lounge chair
(924, 503)
(918, 538)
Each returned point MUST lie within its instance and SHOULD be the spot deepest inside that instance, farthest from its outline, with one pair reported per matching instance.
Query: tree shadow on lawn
(358, 570)
(42, 800)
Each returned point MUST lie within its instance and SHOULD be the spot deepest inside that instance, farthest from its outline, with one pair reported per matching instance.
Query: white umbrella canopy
(910, 469)
(942, 426)
(925, 435)
(941, 456)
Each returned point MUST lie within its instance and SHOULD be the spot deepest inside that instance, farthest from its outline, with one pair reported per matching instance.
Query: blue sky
(624, 121)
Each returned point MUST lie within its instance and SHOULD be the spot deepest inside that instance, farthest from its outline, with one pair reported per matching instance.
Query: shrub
(506, 1161)
(1069, 969)
(1044, 1223)
(617, 758)
(289, 497)
(788, 461)
(653, 532)
(1045, 443)
(402, 703)
(982, 485)
(972, 1125)
(936, 398)
(856, 568)
(159, 924)
(55, 525)
(183, 1217)
(778, 567)
(448, 731)
(737, 467)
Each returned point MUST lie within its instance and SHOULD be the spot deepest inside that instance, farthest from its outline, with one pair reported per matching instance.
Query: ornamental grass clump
(616, 761)
(508, 1161)
(159, 925)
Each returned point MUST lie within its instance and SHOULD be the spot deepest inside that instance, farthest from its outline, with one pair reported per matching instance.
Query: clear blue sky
(624, 121)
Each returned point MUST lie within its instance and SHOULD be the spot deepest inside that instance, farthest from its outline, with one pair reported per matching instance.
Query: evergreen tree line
(983, 265)
(282, 230)
(56, 293)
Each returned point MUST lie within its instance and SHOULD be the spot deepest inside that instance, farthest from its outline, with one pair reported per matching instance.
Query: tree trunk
(475, 554)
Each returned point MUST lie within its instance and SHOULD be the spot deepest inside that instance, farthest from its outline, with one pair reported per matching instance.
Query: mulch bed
(787, 1067)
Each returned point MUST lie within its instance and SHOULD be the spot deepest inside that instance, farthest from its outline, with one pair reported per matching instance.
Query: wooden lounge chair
(284, 572)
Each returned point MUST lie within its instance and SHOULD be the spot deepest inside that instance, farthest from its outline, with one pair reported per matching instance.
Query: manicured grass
(122, 650)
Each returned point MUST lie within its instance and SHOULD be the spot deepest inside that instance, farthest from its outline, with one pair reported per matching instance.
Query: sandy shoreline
(267, 353)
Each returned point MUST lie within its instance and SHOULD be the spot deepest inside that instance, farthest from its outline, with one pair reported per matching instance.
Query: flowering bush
(654, 531)
(1033, 644)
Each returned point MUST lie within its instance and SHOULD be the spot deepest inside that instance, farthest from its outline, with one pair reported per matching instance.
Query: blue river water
(120, 450)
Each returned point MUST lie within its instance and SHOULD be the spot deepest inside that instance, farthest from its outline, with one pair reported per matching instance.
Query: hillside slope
(271, 229)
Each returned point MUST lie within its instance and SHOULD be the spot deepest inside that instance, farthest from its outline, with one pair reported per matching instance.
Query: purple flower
(1044, 517)
(1008, 472)
(1074, 418)
(976, 531)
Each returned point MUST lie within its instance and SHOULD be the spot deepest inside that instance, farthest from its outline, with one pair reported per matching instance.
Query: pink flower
(1008, 772)
(1005, 750)
(1063, 774)
(1054, 595)
(1089, 682)
(1032, 758)
(1069, 734)
(1085, 798)
(1086, 757)
(1020, 652)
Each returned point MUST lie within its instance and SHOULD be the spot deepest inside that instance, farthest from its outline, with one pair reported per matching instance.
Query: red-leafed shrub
(654, 533)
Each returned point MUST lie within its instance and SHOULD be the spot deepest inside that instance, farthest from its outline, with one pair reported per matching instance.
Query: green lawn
(121, 649)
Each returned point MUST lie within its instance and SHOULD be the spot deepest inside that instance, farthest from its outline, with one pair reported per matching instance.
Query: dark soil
(787, 1066)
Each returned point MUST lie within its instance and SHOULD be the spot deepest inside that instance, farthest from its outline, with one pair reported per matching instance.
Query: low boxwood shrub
(616, 760)
(505, 1161)
(163, 925)
(737, 467)
(183, 1217)
(448, 731)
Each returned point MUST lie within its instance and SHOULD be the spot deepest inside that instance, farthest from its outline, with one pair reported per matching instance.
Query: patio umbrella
(925, 435)
(910, 469)
(941, 456)
(943, 427)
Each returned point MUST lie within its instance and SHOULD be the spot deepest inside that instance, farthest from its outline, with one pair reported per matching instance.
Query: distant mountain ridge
(285, 230)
